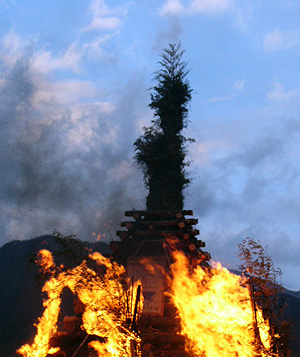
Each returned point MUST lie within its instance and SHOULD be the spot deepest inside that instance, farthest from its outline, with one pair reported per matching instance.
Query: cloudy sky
(74, 79)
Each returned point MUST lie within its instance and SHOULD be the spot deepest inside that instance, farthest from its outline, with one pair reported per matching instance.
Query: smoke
(171, 32)
(246, 188)
(66, 167)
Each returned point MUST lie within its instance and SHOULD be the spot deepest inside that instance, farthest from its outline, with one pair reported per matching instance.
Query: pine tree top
(160, 151)
(172, 93)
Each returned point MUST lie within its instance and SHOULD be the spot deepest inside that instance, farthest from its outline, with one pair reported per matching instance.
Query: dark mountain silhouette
(292, 314)
(21, 297)
(293, 293)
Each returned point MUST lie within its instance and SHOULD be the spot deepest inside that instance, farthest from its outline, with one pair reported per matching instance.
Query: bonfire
(214, 306)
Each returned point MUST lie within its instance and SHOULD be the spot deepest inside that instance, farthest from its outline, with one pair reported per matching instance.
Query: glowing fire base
(191, 307)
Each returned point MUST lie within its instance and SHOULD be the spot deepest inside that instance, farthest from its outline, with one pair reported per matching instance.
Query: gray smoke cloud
(171, 32)
(66, 168)
(250, 192)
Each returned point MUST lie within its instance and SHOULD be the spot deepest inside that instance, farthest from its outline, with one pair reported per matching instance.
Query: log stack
(167, 226)
(153, 236)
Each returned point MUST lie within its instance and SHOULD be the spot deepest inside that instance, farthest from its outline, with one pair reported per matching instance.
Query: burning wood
(191, 308)
(216, 312)
(105, 315)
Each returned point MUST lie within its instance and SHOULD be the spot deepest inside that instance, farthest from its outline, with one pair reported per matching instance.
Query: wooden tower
(148, 239)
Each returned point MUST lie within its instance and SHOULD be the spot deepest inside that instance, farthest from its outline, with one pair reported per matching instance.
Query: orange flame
(215, 309)
(104, 299)
(45, 260)
(215, 312)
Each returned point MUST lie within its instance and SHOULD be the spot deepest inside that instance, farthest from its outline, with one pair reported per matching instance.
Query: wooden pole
(258, 342)
(137, 300)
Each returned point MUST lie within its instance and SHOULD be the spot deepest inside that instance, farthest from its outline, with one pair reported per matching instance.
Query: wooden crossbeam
(158, 224)
(151, 234)
(178, 214)
(198, 243)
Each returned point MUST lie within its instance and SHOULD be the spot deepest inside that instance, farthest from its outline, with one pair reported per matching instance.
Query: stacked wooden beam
(166, 225)
(154, 235)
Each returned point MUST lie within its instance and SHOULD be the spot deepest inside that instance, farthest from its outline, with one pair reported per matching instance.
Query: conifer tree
(161, 151)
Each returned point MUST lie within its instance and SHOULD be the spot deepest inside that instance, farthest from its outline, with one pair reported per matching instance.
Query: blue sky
(73, 79)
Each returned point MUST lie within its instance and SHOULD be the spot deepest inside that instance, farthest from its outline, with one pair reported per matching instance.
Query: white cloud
(171, 7)
(205, 153)
(209, 7)
(279, 94)
(12, 47)
(222, 98)
(94, 48)
(277, 40)
(238, 87)
(70, 59)
(103, 23)
(104, 18)
(11, 42)
(241, 17)
(63, 92)
(81, 110)
(44, 62)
